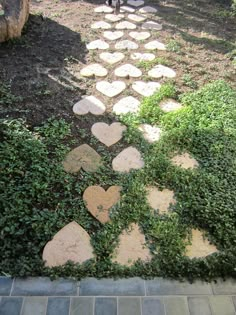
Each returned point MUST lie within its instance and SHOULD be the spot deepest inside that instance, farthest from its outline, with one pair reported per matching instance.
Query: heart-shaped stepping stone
(131, 247)
(125, 25)
(106, 134)
(103, 9)
(170, 105)
(126, 44)
(130, 158)
(147, 9)
(126, 105)
(112, 58)
(126, 8)
(135, 3)
(128, 71)
(114, 17)
(110, 89)
(82, 157)
(150, 133)
(155, 45)
(146, 88)
(139, 35)
(97, 44)
(94, 70)
(72, 243)
(113, 35)
(151, 25)
(185, 161)
(161, 71)
(89, 104)
(143, 57)
(99, 202)
(160, 199)
(101, 25)
(136, 18)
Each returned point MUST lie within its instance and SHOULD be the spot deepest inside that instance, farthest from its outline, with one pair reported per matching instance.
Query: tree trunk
(16, 13)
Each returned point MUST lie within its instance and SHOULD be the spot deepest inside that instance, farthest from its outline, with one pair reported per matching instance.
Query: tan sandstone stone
(99, 202)
(125, 25)
(128, 71)
(146, 88)
(89, 104)
(129, 158)
(126, 105)
(82, 157)
(150, 133)
(112, 58)
(110, 89)
(97, 44)
(160, 199)
(140, 35)
(113, 35)
(71, 243)
(94, 70)
(101, 25)
(106, 134)
(114, 17)
(185, 161)
(131, 247)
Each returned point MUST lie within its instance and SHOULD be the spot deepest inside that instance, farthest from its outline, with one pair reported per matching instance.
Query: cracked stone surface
(94, 70)
(101, 25)
(112, 58)
(128, 159)
(113, 35)
(128, 71)
(150, 133)
(82, 157)
(126, 44)
(143, 56)
(126, 8)
(148, 10)
(72, 243)
(108, 134)
(140, 35)
(131, 247)
(160, 199)
(136, 18)
(199, 247)
(97, 44)
(114, 17)
(161, 71)
(125, 25)
(151, 25)
(99, 202)
(126, 105)
(185, 161)
(155, 45)
(146, 88)
(103, 9)
(89, 104)
(135, 3)
(110, 89)
(170, 105)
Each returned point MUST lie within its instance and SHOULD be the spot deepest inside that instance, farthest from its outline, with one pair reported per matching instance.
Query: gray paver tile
(222, 305)
(10, 306)
(176, 305)
(160, 286)
(58, 306)
(110, 287)
(5, 286)
(152, 306)
(199, 306)
(44, 287)
(227, 287)
(34, 305)
(105, 306)
(82, 306)
(129, 306)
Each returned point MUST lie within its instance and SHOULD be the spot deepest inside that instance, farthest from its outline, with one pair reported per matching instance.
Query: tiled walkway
(134, 296)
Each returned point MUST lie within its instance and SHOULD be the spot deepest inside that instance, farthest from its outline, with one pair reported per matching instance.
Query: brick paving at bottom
(134, 296)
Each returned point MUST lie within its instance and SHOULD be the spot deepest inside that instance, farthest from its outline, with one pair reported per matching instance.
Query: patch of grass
(6, 96)
(148, 65)
(174, 46)
(188, 81)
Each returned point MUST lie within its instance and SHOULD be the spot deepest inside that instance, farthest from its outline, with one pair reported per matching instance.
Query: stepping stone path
(99, 202)
(135, 3)
(126, 44)
(146, 88)
(97, 44)
(94, 70)
(143, 57)
(125, 25)
(126, 105)
(128, 159)
(185, 161)
(101, 24)
(106, 134)
(161, 71)
(126, 8)
(89, 104)
(136, 18)
(103, 9)
(160, 200)
(140, 35)
(112, 58)
(128, 71)
(150, 133)
(150, 25)
(147, 9)
(113, 35)
(114, 17)
(110, 89)
(155, 45)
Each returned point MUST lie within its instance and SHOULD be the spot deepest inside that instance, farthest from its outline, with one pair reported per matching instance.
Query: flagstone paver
(135, 3)
(110, 89)
(160, 199)
(136, 18)
(94, 70)
(108, 134)
(89, 104)
(97, 44)
(128, 159)
(99, 202)
(151, 25)
(146, 88)
(125, 25)
(140, 35)
(126, 44)
(101, 25)
(128, 71)
(125, 8)
(150, 133)
(114, 17)
(112, 58)
(113, 35)
(161, 71)
(185, 161)
(169, 105)
(155, 44)
(200, 246)
(126, 105)
(103, 9)
(82, 157)
(143, 56)
(72, 242)
(147, 9)
(131, 247)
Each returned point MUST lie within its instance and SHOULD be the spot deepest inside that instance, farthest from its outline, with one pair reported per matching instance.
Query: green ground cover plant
(37, 198)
